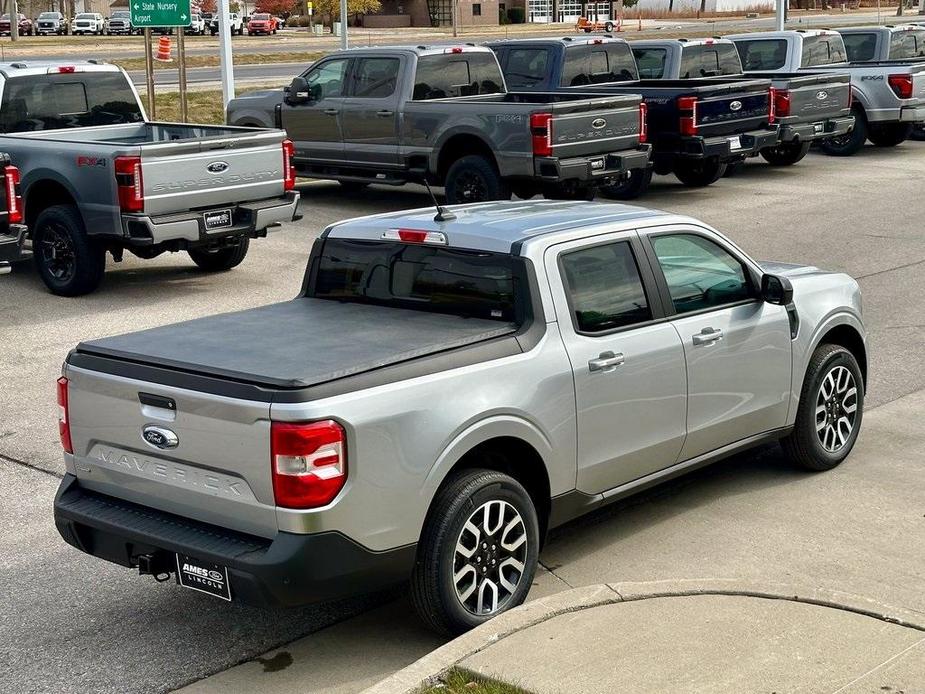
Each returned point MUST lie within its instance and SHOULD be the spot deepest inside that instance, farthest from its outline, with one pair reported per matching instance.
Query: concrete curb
(428, 668)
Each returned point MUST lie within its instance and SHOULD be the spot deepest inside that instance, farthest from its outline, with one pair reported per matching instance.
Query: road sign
(160, 13)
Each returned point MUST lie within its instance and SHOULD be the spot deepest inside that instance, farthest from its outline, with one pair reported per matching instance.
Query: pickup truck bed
(345, 339)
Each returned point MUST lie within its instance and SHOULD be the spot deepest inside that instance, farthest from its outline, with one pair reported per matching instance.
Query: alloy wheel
(472, 187)
(490, 557)
(836, 408)
(57, 251)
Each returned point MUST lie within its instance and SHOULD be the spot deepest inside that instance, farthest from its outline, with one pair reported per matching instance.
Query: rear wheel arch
(44, 193)
(459, 146)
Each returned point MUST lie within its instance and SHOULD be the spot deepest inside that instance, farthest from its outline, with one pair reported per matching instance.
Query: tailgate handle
(157, 401)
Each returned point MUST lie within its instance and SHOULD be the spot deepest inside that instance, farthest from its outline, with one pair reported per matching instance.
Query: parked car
(88, 23)
(878, 43)
(579, 352)
(888, 96)
(51, 23)
(120, 22)
(12, 229)
(197, 25)
(98, 177)
(807, 106)
(261, 23)
(234, 20)
(24, 24)
(403, 114)
(696, 126)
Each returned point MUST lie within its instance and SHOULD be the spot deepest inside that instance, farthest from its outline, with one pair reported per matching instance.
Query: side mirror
(298, 91)
(776, 290)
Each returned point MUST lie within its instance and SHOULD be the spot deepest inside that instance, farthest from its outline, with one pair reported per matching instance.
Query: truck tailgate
(814, 96)
(589, 127)
(188, 175)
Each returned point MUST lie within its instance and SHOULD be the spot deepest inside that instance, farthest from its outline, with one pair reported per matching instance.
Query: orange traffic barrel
(163, 49)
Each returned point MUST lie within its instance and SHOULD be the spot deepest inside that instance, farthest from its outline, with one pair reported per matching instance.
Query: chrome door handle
(330, 111)
(385, 113)
(606, 362)
(708, 336)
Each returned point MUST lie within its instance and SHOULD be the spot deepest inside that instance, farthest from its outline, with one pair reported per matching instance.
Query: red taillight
(643, 122)
(288, 168)
(453, 50)
(772, 105)
(64, 421)
(687, 105)
(129, 183)
(13, 201)
(541, 130)
(781, 103)
(902, 85)
(67, 69)
(309, 463)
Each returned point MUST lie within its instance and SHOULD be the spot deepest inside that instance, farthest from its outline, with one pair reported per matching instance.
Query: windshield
(436, 279)
(709, 60)
(121, 15)
(261, 17)
(49, 15)
(85, 16)
(46, 102)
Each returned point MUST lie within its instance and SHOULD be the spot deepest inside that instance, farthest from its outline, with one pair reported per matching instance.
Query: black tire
(474, 179)
(733, 168)
(630, 188)
(434, 592)
(803, 445)
(699, 173)
(608, 27)
(889, 134)
(69, 262)
(569, 191)
(353, 186)
(221, 259)
(850, 143)
(918, 132)
(786, 153)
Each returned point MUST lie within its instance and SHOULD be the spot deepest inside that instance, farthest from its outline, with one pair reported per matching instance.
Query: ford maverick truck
(696, 126)
(97, 177)
(807, 106)
(399, 115)
(444, 389)
(888, 97)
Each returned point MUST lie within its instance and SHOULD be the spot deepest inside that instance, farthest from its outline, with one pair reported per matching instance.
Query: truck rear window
(762, 55)
(74, 100)
(598, 63)
(861, 47)
(650, 62)
(908, 43)
(459, 282)
(450, 75)
(712, 60)
(823, 50)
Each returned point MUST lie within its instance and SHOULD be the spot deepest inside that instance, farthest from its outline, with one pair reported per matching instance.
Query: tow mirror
(298, 92)
(776, 290)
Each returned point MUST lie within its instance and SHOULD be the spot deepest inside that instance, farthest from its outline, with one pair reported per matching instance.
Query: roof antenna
(443, 214)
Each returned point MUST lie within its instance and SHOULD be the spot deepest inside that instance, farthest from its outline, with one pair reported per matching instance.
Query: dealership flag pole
(224, 51)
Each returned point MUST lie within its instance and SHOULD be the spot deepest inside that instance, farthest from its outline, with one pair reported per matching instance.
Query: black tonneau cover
(299, 343)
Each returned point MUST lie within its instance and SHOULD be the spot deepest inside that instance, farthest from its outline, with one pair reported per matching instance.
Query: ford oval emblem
(822, 95)
(217, 167)
(159, 437)
(735, 106)
(598, 123)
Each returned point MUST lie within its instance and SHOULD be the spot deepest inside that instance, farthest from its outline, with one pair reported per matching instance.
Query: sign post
(162, 13)
(224, 51)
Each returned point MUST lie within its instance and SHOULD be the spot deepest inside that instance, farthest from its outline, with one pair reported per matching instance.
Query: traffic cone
(163, 49)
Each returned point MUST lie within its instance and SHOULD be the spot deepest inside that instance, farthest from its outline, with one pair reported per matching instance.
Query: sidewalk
(689, 636)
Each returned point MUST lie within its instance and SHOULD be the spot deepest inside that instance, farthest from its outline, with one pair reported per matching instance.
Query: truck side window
(651, 62)
(861, 47)
(376, 78)
(709, 61)
(526, 67)
(823, 50)
(327, 80)
(467, 74)
(762, 55)
(604, 288)
(700, 273)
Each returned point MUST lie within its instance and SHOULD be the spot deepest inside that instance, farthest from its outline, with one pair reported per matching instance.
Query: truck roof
(681, 42)
(26, 68)
(560, 40)
(787, 33)
(419, 50)
(500, 226)
(890, 28)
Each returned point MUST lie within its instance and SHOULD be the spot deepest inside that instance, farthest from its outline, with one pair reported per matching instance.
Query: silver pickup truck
(444, 390)
(97, 177)
(807, 106)
(888, 96)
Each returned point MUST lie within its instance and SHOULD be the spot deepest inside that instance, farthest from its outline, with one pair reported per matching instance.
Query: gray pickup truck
(888, 96)
(398, 115)
(444, 390)
(807, 106)
(97, 177)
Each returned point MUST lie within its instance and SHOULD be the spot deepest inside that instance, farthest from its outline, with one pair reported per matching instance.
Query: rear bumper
(592, 168)
(11, 245)
(805, 132)
(729, 147)
(912, 114)
(287, 571)
(248, 218)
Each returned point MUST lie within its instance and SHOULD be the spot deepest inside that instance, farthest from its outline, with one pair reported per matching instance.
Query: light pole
(224, 51)
(343, 24)
(780, 15)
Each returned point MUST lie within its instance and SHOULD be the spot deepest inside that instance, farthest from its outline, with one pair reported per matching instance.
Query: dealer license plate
(735, 144)
(203, 576)
(217, 220)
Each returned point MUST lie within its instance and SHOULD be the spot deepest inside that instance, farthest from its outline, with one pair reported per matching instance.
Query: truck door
(315, 126)
(737, 347)
(371, 127)
(628, 366)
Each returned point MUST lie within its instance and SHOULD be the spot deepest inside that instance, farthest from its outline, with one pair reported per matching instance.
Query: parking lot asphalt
(71, 623)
